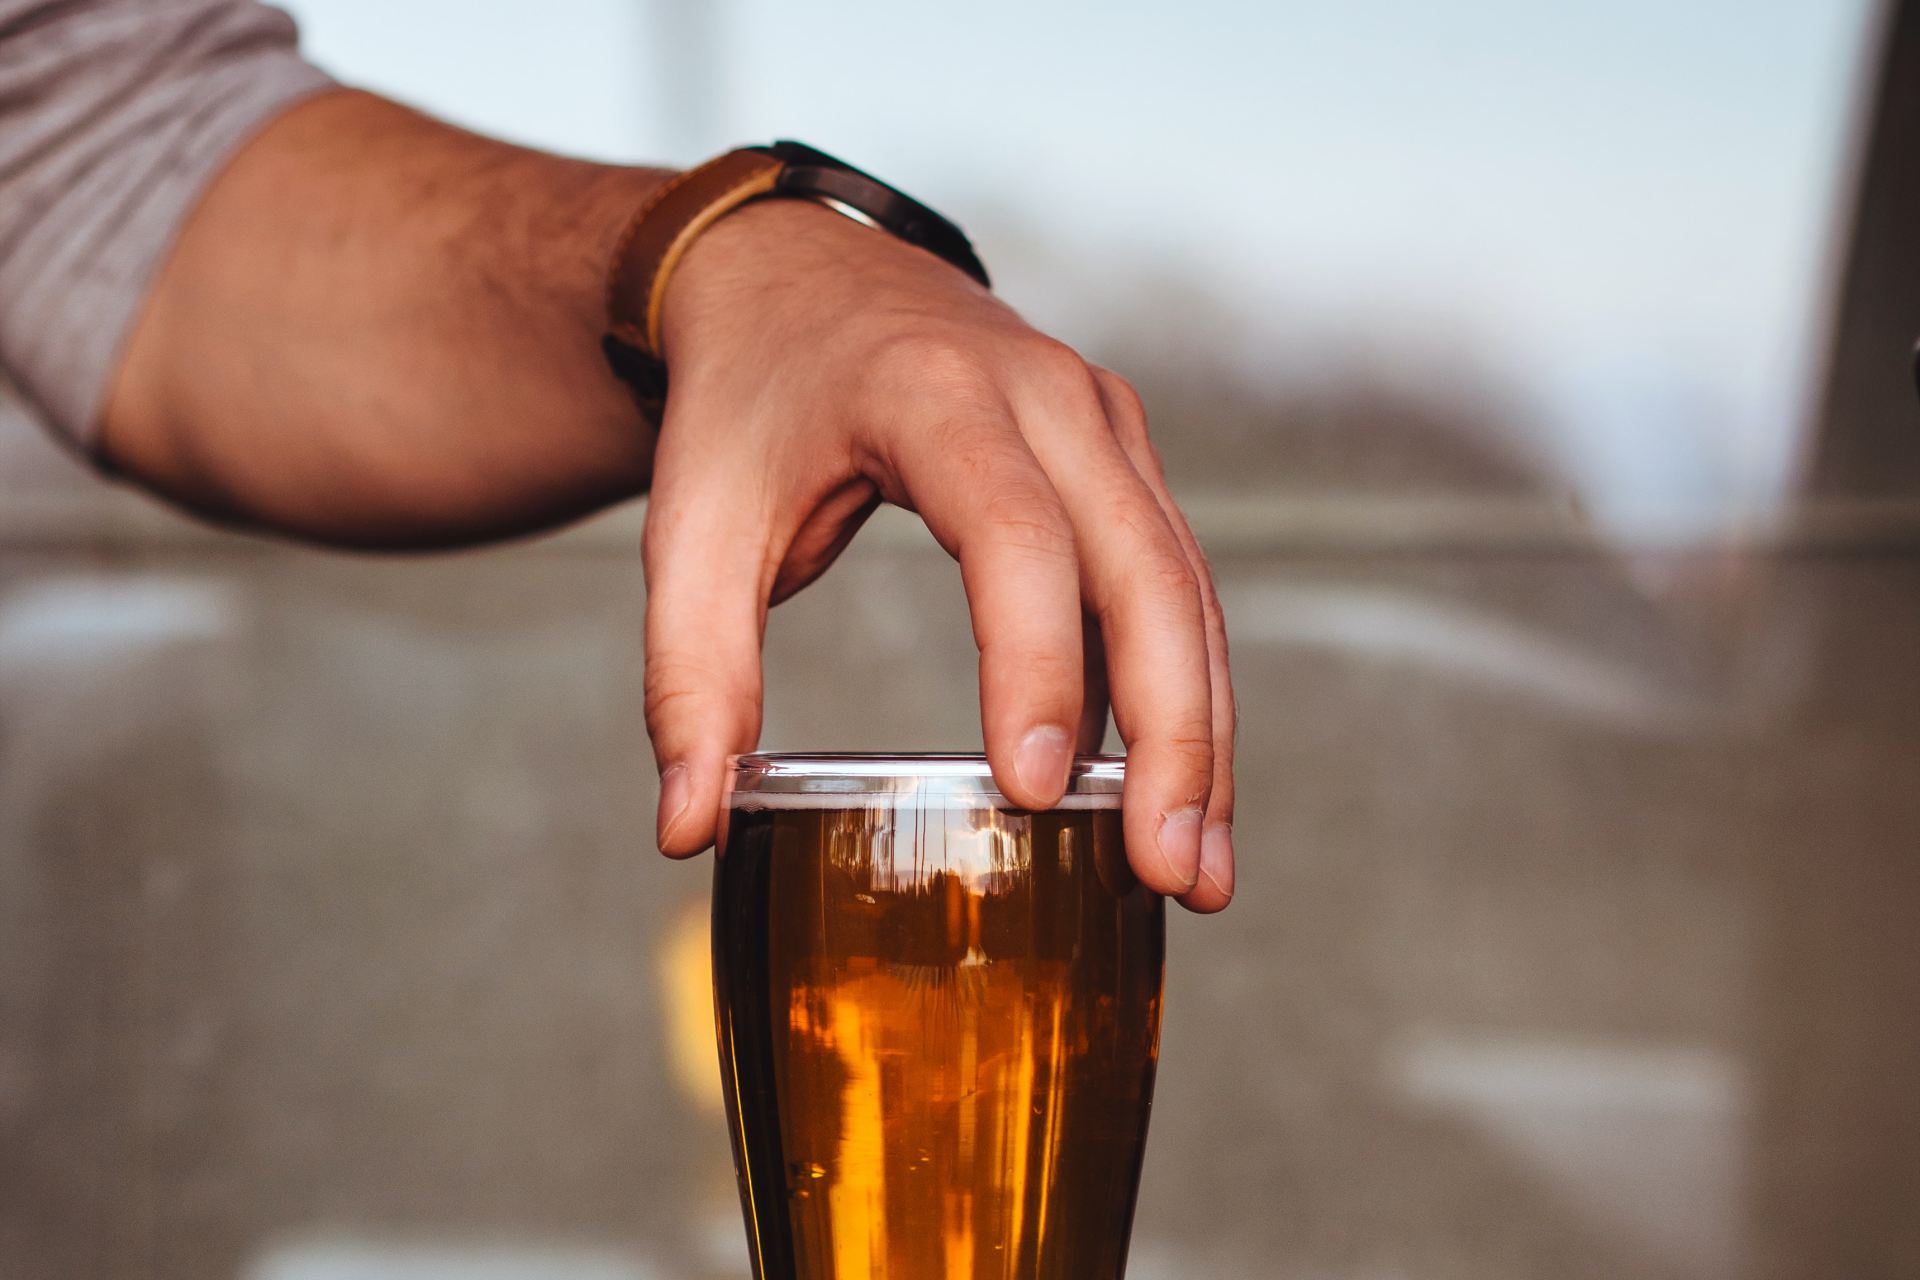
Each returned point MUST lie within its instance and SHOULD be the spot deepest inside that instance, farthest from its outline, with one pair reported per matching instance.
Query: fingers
(1129, 420)
(1139, 583)
(985, 498)
(706, 588)
(1048, 493)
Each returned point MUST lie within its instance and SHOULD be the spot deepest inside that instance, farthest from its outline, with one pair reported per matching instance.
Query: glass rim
(756, 778)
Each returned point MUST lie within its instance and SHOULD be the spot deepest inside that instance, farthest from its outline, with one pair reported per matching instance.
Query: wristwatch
(676, 214)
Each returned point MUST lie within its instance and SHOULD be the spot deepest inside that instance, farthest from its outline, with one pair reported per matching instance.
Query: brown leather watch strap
(675, 215)
(661, 231)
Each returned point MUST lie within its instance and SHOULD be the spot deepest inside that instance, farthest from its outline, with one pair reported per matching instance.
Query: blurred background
(1538, 378)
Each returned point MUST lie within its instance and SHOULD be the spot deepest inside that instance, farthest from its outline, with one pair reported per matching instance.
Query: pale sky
(1625, 204)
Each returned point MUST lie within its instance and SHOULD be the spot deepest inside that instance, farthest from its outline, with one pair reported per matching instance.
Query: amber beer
(938, 1019)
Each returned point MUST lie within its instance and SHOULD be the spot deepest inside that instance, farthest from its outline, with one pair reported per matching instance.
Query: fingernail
(1216, 857)
(675, 791)
(1180, 846)
(1042, 760)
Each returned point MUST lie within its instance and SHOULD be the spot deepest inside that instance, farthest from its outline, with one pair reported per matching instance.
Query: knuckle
(669, 679)
(1064, 377)
(1055, 359)
(1191, 751)
(1158, 553)
(1027, 519)
(1122, 393)
(662, 705)
(1146, 526)
(1170, 576)
(674, 682)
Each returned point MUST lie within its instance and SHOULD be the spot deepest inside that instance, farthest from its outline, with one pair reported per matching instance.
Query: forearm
(379, 330)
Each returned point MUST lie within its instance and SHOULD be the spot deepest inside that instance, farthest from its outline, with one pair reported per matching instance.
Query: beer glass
(938, 1017)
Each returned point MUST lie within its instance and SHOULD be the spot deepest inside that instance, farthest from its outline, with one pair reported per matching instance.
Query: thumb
(706, 606)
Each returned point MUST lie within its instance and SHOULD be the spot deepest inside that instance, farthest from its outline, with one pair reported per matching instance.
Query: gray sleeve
(114, 114)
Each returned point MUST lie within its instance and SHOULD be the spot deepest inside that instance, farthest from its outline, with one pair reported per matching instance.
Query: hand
(818, 368)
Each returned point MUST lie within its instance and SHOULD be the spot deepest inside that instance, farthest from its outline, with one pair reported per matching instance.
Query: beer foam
(937, 798)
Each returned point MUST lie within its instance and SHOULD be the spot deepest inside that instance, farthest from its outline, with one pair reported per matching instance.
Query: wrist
(711, 203)
(764, 246)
